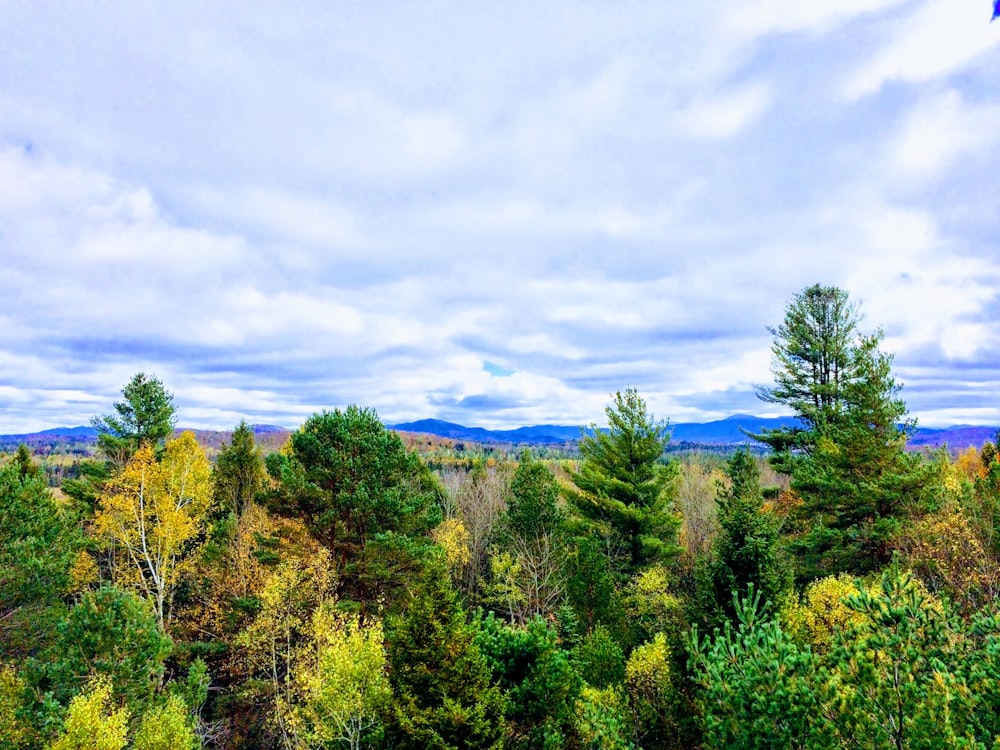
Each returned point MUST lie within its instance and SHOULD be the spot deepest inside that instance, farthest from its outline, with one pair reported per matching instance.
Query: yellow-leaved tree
(93, 722)
(341, 681)
(152, 514)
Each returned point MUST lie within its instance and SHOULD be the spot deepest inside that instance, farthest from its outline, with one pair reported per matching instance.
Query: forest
(341, 591)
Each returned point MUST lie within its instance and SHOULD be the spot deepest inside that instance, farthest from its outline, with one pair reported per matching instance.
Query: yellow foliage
(151, 512)
(969, 463)
(340, 681)
(595, 719)
(648, 599)
(166, 727)
(14, 731)
(91, 722)
(946, 554)
(82, 573)
(455, 540)
(505, 589)
(822, 611)
(271, 644)
(647, 672)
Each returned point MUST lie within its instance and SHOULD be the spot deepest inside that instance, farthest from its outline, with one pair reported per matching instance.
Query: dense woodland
(343, 592)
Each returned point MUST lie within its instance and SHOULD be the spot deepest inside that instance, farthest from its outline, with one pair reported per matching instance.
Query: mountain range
(729, 431)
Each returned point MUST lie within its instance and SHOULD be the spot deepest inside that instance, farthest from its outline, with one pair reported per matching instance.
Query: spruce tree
(623, 486)
(441, 680)
(745, 553)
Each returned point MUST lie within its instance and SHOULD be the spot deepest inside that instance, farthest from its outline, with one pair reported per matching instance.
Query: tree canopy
(623, 485)
(145, 416)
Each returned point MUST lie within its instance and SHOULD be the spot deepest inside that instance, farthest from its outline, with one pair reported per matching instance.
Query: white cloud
(939, 131)
(332, 206)
(724, 115)
(938, 39)
(761, 17)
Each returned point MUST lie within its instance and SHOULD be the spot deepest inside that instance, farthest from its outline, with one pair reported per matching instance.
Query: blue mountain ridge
(728, 431)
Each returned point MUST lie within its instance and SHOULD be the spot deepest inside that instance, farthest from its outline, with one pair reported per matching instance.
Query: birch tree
(152, 514)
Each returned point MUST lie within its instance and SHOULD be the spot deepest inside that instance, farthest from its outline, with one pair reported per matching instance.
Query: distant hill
(81, 440)
(958, 437)
(727, 431)
(724, 432)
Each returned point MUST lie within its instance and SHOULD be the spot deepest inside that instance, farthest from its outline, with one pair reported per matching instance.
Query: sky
(492, 213)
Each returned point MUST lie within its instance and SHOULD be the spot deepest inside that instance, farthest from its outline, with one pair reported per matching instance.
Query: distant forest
(345, 585)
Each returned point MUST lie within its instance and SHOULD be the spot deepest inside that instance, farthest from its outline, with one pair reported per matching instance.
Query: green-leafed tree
(623, 487)
(538, 676)
(38, 543)
(745, 551)
(759, 689)
(812, 361)
(444, 698)
(897, 672)
(108, 633)
(145, 416)
(352, 482)
(846, 458)
(239, 475)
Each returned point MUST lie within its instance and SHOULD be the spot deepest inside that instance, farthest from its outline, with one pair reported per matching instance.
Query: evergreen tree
(239, 472)
(542, 686)
(745, 553)
(352, 482)
(111, 633)
(530, 559)
(623, 486)
(38, 544)
(441, 680)
(846, 458)
(145, 416)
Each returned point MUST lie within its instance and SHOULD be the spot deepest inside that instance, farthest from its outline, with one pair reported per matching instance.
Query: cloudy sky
(493, 213)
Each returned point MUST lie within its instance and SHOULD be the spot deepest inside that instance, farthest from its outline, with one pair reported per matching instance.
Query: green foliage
(85, 489)
(440, 677)
(847, 459)
(622, 487)
(599, 659)
(349, 479)
(17, 731)
(344, 688)
(26, 466)
(146, 416)
(897, 672)
(902, 672)
(590, 588)
(529, 563)
(600, 719)
(239, 475)
(193, 691)
(745, 552)
(651, 692)
(812, 361)
(758, 687)
(540, 682)
(532, 509)
(38, 544)
(109, 633)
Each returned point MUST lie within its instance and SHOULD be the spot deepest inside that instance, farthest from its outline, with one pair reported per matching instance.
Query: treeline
(341, 593)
